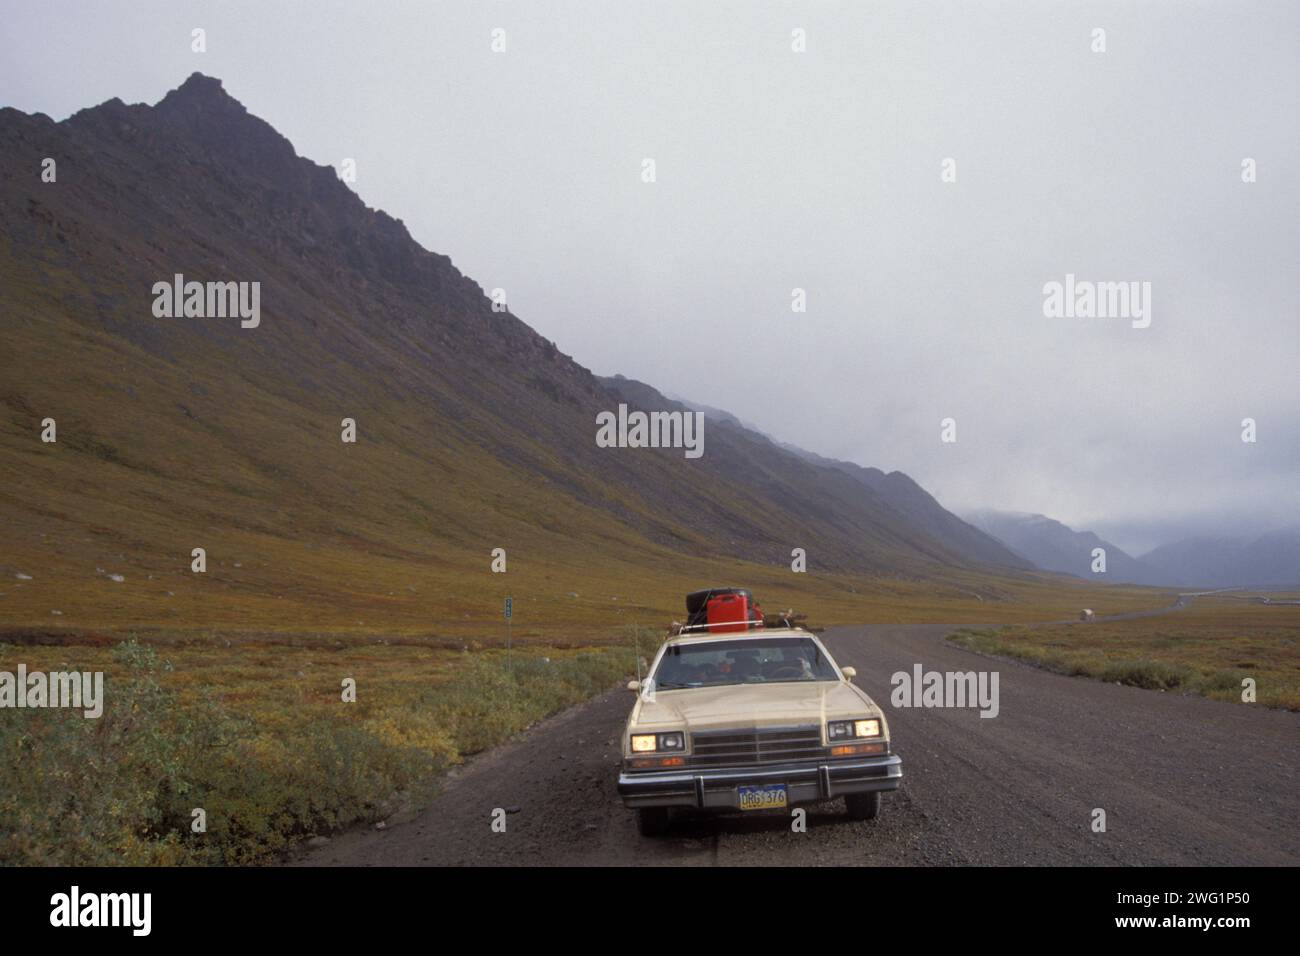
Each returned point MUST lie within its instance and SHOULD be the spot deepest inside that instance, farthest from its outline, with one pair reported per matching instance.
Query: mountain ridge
(475, 431)
(1270, 560)
(894, 492)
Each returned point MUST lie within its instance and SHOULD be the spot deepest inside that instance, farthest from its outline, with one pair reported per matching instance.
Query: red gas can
(729, 610)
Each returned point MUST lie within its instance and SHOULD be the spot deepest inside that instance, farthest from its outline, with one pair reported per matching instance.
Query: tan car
(755, 720)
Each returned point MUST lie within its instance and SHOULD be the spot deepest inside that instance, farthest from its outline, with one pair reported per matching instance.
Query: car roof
(704, 637)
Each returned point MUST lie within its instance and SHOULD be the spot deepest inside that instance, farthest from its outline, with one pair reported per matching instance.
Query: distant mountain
(473, 431)
(1271, 560)
(1053, 546)
(714, 414)
(909, 499)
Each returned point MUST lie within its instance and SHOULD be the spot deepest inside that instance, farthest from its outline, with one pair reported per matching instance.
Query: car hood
(753, 705)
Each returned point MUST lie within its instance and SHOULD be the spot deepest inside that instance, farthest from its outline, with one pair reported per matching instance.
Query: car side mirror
(634, 685)
(849, 672)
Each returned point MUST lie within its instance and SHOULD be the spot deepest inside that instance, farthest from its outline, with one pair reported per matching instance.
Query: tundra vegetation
(258, 737)
(250, 725)
(1208, 649)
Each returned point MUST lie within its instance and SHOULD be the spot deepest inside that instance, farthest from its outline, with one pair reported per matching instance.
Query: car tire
(862, 806)
(652, 821)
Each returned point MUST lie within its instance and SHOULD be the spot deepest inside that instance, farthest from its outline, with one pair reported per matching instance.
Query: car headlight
(649, 743)
(845, 729)
(866, 728)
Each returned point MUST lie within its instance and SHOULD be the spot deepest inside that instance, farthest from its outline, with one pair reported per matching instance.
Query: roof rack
(787, 619)
(734, 625)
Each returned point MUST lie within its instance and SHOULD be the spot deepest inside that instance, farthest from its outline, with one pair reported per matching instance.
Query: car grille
(730, 748)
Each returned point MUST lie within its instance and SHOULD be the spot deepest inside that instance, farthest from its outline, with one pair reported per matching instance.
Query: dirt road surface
(1183, 781)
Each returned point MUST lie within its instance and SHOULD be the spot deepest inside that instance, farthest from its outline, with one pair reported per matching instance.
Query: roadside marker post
(510, 610)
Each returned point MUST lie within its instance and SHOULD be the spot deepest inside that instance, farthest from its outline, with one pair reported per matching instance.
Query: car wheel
(652, 821)
(863, 806)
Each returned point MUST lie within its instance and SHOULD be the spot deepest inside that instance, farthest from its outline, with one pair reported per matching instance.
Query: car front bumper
(718, 789)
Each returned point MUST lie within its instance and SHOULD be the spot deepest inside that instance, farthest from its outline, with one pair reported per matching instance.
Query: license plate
(762, 798)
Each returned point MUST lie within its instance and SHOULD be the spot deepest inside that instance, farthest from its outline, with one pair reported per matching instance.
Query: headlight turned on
(866, 728)
(650, 743)
(847, 729)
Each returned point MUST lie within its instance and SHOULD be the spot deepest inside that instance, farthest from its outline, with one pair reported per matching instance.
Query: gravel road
(1183, 781)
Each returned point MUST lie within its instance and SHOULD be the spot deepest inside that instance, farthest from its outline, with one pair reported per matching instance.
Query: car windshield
(761, 660)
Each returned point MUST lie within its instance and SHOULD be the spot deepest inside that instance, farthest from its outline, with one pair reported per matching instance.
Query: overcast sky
(821, 170)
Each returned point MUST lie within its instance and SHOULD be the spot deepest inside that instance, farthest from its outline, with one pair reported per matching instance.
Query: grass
(1208, 649)
(261, 741)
